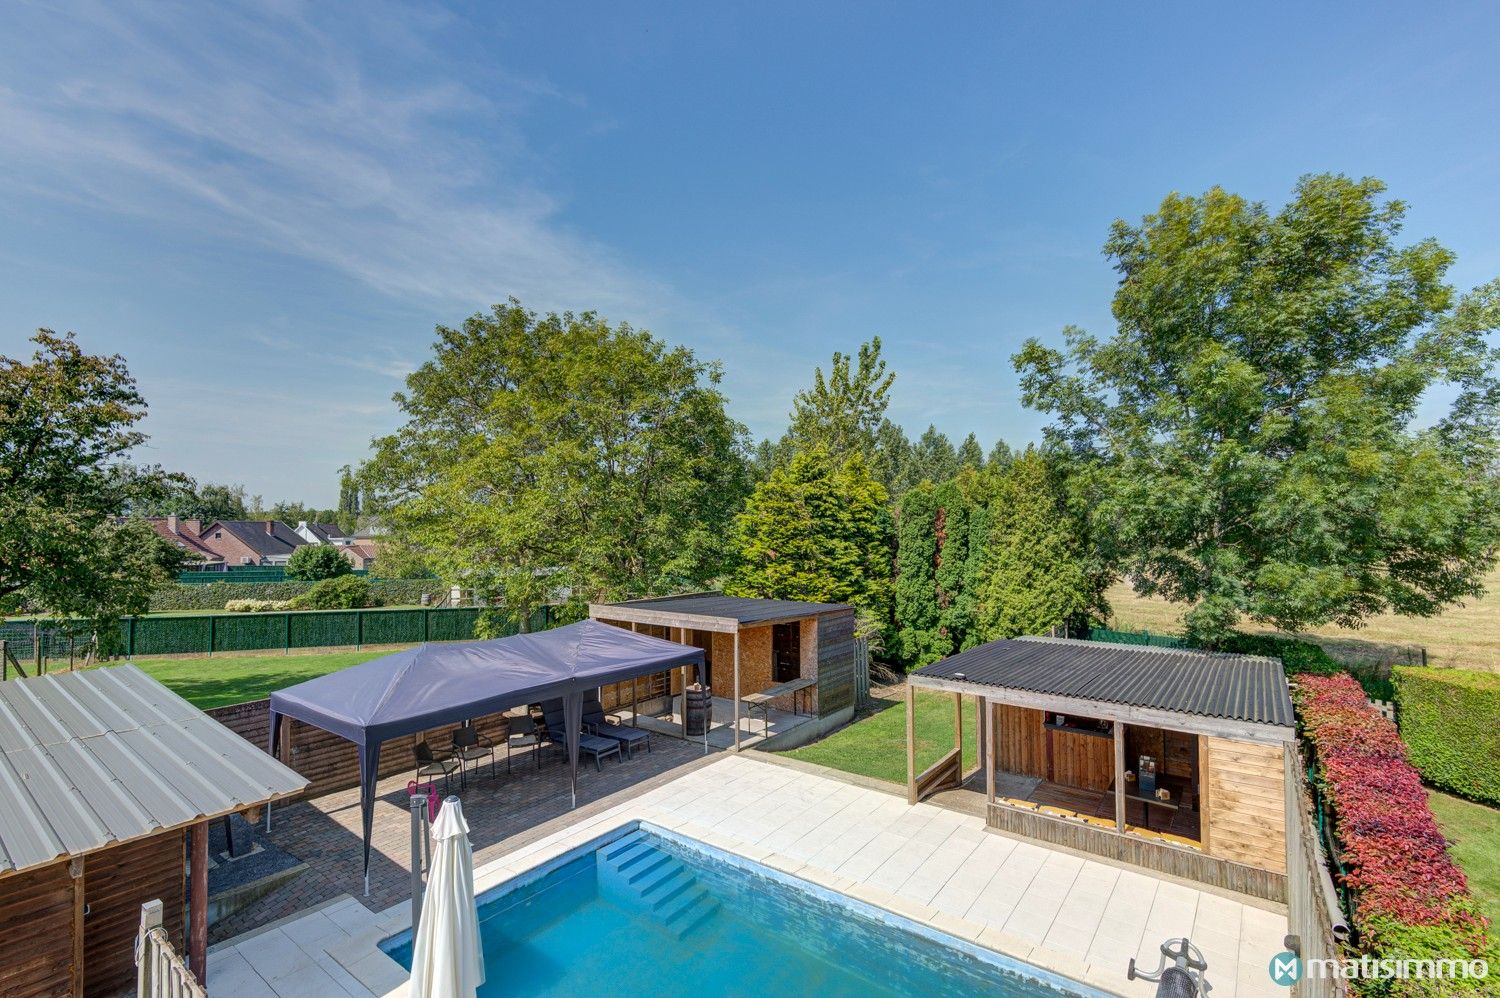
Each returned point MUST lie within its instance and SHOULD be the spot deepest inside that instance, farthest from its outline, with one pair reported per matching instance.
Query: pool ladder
(635, 874)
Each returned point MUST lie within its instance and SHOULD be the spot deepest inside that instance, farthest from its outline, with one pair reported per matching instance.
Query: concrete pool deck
(1075, 916)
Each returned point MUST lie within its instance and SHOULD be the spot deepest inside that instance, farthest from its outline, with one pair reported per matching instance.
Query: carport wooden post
(736, 689)
(198, 904)
(1120, 776)
(987, 711)
(911, 744)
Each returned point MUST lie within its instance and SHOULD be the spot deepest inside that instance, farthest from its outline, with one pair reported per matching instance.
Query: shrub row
(1450, 719)
(216, 595)
(1412, 902)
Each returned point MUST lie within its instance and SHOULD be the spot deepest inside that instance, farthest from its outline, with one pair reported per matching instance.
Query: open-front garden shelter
(795, 655)
(433, 685)
(1171, 759)
(109, 781)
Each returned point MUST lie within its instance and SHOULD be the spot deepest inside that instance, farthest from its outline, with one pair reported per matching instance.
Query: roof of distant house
(184, 538)
(279, 539)
(100, 756)
(369, 532)
(1246, 688)
(327, 531)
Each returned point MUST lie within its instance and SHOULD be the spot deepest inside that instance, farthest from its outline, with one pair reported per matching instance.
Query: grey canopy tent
(411, 691)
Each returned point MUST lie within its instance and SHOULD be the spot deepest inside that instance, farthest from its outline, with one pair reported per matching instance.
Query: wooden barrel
(699, 706)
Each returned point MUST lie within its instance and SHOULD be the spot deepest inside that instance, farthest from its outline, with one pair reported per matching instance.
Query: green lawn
(226, 679)
(1474, 830)
(876, 745)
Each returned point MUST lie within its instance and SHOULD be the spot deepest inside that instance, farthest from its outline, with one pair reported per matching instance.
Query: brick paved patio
(325, 833)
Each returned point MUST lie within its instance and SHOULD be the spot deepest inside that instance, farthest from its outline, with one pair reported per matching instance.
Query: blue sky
(267, 208)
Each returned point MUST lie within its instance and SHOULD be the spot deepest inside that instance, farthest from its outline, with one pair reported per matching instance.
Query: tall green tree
(934, 457)
(350, 498)
(842, 411)
(970, 454)
(1035, 573)
(1253, 419)
(918, 640)
(1000, 455)
(67, 425)
(553, 455)
(815, 532)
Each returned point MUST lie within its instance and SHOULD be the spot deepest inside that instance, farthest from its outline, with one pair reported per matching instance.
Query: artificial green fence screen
(209, 634)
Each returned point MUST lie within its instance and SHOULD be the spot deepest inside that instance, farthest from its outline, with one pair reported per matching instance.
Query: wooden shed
(751, 647)
(109, 781)
(1171, 759)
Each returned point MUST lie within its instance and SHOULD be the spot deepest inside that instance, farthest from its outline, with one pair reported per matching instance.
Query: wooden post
(911, 745)
(75, 870)
(958, 732)
(736, 690)
(1120, 776)
(198, 904)
(989, 747)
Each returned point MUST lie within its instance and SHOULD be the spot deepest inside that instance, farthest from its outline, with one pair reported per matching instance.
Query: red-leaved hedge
(1411, 899)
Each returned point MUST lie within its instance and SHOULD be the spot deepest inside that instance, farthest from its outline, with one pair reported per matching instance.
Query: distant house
(185, 534)
(323, 533)
(251, 542)
(361, 553)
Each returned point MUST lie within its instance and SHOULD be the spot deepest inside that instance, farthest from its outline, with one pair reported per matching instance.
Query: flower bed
(1411, 900)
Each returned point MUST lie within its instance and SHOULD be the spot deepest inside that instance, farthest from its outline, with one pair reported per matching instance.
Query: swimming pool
(643, 911)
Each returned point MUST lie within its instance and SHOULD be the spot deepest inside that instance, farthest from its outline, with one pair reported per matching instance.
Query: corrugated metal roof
(745, 609)
(91, 758)
(1210, 684)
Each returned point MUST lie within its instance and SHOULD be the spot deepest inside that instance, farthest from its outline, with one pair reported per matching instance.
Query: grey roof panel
(1209, 684)
(745, 609)
(101, 756)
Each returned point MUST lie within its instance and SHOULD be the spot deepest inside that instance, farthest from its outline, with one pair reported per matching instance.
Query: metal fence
(257, 573)
(1136, 638)
(861, 672)
(210, 634)
(1315, 915)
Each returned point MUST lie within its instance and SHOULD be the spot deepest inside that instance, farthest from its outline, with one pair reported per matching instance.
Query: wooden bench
(762, 701)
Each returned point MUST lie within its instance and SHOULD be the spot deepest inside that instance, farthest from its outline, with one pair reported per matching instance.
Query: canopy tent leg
(369, 772)
(573, 720)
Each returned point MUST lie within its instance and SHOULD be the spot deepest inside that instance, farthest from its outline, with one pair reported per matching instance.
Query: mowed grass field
(1473, 832)
(221, 680)
(1465, 637)
(875, 745)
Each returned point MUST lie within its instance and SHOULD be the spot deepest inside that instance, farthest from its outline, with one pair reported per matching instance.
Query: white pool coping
(1080, 918)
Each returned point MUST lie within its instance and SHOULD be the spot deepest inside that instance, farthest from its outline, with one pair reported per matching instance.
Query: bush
(1412, 902)
(312, 562)
(256, 605)
(346, 592)
(1450, 719)
(214, 595)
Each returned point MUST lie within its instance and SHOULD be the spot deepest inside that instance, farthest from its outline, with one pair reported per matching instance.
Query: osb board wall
(117, 881)
(1020, 742)
(1245, 802)
(36, 915)
(331, 762)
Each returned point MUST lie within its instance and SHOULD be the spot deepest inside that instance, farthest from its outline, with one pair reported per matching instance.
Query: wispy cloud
(257, 124)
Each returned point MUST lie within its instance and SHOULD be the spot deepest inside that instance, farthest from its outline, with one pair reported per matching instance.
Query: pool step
(636, 875)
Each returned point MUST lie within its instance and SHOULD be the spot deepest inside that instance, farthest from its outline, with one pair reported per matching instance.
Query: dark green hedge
(1450, 721)
(213, 595)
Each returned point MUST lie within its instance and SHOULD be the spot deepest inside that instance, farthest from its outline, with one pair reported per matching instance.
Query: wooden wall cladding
(1082, 760)
(36, 908)
(1245, 802)
(1020, 741)
(835, 662)
(331, 762)
(117, 881)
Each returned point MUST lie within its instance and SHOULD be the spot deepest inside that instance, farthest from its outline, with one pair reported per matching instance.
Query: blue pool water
(645, 912)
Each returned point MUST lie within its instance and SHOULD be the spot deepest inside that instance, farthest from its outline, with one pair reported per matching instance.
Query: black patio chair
(429, 765)
(523, 734)
(595, 723)
(589, 744)
(470, 746)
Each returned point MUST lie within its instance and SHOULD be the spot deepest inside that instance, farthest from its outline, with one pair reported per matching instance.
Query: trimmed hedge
(1450, 719)
(1412, 902)
(214, 595)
